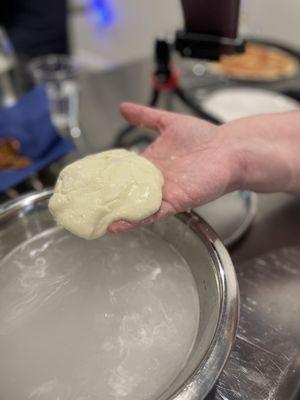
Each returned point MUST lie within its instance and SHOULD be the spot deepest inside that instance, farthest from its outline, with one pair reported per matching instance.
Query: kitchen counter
(277, 223)
(265, 361)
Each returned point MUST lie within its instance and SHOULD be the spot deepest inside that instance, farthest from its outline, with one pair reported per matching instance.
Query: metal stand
(165, 78)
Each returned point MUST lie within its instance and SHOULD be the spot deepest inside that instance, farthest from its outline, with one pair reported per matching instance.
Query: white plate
(231, 215)
(237, 102)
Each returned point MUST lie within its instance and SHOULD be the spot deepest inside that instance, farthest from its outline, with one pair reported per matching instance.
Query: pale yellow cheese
(99, 189)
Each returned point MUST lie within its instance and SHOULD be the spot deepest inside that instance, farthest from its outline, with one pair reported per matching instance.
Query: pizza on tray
(258, 62)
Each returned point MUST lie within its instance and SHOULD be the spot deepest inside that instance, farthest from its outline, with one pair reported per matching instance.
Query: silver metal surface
(211, 267)
(265, 361)
(276, 225)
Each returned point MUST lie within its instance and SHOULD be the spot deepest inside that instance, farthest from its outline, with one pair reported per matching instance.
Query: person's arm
(268, 151)
(201, 161)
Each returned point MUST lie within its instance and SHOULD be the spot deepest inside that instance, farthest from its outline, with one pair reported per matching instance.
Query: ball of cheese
(99, 189)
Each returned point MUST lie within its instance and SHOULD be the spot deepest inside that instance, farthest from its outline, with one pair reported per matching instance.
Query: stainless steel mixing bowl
(212, 270)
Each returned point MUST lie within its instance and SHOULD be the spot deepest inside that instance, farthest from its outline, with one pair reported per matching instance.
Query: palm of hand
(189, 155)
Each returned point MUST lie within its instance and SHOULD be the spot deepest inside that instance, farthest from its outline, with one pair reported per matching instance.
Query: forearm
(265, 152)
(201, 161)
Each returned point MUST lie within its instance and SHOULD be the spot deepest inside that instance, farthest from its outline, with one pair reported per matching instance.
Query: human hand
(193, 155)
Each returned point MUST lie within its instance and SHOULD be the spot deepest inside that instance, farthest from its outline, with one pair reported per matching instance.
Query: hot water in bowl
(115, 318)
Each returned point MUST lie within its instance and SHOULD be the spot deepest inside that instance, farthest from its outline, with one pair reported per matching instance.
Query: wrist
(262, 149)
(234, 153)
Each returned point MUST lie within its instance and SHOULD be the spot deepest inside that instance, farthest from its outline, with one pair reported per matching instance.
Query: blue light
(103, 11)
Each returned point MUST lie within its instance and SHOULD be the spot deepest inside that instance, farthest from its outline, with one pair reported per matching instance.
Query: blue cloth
(29, 122)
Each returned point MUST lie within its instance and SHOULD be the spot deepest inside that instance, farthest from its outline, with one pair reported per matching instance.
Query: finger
(165, 211)
(144, 116)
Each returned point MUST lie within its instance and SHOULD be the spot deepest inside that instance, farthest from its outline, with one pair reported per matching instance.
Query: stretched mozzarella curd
(102, 188)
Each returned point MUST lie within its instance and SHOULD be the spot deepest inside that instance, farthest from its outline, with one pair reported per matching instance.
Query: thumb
(145, 116)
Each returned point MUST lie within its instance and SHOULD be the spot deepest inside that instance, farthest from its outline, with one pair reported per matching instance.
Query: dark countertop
(277, 224)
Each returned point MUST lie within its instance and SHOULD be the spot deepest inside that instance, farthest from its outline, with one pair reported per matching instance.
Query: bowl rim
(201, 381)
(204, 377)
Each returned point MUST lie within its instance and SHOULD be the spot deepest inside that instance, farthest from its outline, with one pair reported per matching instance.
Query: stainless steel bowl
(210, 265)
